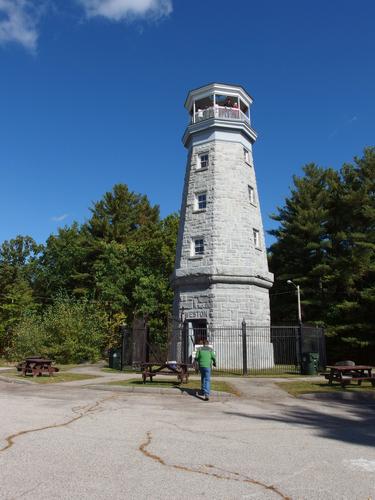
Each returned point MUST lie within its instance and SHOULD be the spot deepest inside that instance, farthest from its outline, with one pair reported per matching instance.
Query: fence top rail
(251, 327)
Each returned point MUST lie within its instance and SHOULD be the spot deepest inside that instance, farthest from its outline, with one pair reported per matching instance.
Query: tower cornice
(210, 279)
(217, 124)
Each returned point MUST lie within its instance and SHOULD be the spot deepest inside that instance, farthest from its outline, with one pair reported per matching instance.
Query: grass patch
(216, 385)
(113, 370)
(258, 373)
(12, 364)
(5, 363)
(306, 387)
(278, 371)
(45, 379)
(65, 368)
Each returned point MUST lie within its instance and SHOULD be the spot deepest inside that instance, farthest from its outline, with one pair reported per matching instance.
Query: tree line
(325, 242)
(68, 297)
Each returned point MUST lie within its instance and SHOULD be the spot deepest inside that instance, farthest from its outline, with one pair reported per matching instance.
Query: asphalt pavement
(67, 441)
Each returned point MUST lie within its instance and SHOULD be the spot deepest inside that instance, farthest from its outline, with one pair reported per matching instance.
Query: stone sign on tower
(221, 273)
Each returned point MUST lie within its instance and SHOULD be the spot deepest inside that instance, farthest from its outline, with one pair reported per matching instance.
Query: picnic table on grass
(37, 367)
(151, 370)
(344, 375)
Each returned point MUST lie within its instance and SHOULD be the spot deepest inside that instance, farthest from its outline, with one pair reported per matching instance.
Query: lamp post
(290, 282)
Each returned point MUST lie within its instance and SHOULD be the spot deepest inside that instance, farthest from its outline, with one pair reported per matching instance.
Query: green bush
(69, 331)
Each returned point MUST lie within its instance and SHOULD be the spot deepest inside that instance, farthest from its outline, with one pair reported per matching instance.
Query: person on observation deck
(205, 358)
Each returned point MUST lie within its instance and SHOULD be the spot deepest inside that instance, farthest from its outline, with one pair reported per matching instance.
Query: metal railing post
(185, 342)
(244, 349)
(147, 353)
(122, 349)
(300, 347)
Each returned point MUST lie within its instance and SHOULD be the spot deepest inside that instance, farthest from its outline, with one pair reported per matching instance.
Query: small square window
(256, 238)
(251, 195)
(203, 160)
(201, 201)
(246, 155)
(199, 246)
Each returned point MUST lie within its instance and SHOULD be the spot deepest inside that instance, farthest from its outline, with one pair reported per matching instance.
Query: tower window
(198, 246)
(201, 201)
(251, 194)
(203, 160)
(256, 238)
(246, 155)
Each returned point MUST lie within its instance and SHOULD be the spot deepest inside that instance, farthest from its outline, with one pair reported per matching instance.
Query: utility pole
(290, 282)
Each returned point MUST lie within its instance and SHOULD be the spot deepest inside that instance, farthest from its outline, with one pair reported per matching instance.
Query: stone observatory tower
(221, 273)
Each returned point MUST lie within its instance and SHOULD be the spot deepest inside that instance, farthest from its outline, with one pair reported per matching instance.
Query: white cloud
(18, 22)
(59, 218)
(117, 10)
(19, 18)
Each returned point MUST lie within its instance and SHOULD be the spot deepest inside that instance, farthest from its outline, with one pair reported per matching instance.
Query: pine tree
(351, 285)
(326, 243)
(300, 251)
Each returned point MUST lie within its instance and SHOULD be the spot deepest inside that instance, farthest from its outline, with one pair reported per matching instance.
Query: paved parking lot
(78, 442)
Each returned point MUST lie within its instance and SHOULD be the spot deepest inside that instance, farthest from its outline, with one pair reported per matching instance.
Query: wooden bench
(361, 379)
(345, 374)
(37, 367)
(151, 370)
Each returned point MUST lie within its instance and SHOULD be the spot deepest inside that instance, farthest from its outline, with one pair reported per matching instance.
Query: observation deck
(219, 106)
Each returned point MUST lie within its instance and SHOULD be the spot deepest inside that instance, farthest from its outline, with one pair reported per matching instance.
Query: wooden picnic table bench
(168, 368)
(37, 367)
(344, 375)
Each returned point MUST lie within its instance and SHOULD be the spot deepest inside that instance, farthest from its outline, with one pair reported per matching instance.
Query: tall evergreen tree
(326, 243)
(300, 251)
(122, 214)
(351, 284)
(66, 264)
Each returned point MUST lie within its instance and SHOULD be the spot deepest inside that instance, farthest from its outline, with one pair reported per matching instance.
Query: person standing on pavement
(205, 358)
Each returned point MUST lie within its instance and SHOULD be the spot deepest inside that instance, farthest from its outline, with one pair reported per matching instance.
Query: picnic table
(37, 367)
(345, 374)
(168, 368)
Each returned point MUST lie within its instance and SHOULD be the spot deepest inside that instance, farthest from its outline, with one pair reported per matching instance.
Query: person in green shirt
(205, 358)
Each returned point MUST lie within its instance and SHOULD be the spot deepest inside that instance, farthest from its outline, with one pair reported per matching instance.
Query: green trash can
(114, 359)
(310, 363)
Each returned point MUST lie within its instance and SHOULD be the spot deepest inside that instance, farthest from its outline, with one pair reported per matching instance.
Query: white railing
(220, 112)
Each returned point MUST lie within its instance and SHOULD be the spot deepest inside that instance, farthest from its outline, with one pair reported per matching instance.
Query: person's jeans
(205, 380)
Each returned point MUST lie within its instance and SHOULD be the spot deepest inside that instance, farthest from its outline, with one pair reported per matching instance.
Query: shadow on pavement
(191, 392)
(356, 426)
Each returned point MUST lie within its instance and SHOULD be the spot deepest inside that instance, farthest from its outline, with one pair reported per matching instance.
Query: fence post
(322, 350)
(127, 347)
(244, 349)
(147, 344)
(300, 348)
(122, 347)
(185, 342)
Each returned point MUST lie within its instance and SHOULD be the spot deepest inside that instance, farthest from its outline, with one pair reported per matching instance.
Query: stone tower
(221, 273)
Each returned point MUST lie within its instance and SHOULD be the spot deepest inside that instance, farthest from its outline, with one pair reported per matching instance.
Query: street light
(290, 282)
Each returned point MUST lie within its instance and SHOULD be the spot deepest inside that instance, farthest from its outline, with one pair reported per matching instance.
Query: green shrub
(69, 331)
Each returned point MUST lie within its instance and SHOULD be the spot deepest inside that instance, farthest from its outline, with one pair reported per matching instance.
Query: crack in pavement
(229, 475)
(84, 412)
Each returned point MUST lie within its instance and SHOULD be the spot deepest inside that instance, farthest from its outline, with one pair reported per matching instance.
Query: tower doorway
(198, 330)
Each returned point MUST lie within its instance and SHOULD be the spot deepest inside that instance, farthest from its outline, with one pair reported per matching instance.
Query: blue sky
(92, 94)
